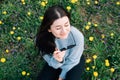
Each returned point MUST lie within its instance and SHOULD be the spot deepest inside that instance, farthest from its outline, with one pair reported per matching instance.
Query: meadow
(98, 20)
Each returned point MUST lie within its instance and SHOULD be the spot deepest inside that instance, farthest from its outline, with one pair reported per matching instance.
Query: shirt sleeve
(74, 56)
(51, 61)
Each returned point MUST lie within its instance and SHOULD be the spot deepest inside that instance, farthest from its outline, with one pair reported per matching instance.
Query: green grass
(22, 55)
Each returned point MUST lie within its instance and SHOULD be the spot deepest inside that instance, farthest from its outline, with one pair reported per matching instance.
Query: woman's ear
(49, 30)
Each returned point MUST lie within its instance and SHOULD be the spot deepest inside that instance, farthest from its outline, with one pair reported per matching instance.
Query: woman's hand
(60, 79)
(59, 55)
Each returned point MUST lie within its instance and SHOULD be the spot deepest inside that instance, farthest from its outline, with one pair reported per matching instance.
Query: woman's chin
(63, 37)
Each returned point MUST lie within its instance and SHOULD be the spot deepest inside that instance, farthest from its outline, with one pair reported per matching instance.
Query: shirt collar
(64, 44)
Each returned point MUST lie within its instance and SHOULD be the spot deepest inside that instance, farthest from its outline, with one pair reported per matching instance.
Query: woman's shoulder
(77, 34)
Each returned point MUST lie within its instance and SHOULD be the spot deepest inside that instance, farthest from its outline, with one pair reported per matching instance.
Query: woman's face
(60, 28)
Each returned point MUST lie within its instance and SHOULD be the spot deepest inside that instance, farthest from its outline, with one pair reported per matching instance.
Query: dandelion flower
(106, 60)
(73, 1)
(95, 24)
(14, 28)
(23, 73)
(87, 0)
(68, 8)
(96, 2)
(102, 36)
(87, 27)
(88, 68)
(23, 3)
(88, 3)
(88, 60)
(107, 64)
(7, 51)
(94, 56)
(112, 34)
(93, 67)
(89, 23)
(28, 13)
(112, 70)
(95, 73)
(4, 12)
(28, 74)
(18, 38)
(91, 38)
(41, 17)
(43, 3)
(22, 0)
(1, 22)
(11, 32)
(117, 3)
(3, 60)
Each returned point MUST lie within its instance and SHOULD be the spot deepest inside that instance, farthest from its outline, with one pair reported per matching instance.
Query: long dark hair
(44, 39)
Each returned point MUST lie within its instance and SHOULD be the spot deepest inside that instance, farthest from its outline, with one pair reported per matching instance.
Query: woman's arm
(74, 55)
(56, 59)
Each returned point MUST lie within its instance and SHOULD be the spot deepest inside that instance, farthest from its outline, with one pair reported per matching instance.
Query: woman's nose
(63, 30)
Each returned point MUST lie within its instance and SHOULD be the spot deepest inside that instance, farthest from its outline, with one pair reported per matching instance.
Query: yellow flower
(87, 0)
(91, 38)
(107, 64)
(95, 24)
(112, 70)
(23, 73)
(7, 51)
(93, 67)
(73, 1)
(4, 12)
(28, 74)
(68, 8)
(2, 60)
(87, 27)
(11, 32)
(112, 34)
(117, 3)
(23, 3)
(96, 2)
(14, 28)
(18, 38)
(102, 36)
(94, 56)
(41, 17)
(28, 13)
(95, 73)
(88, 68)
(22, 0)
(88, 3)
(89, 23)
(88, 60)
(43, 3)
(106, 60)
(1, 22)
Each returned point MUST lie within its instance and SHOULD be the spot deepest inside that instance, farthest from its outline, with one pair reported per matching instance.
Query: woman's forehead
(60, 21)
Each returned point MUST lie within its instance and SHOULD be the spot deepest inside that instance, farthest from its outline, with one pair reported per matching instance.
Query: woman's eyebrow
(58, 26)
(66, 22)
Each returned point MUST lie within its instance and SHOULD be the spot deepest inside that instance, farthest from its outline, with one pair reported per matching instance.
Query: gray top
(74, 45)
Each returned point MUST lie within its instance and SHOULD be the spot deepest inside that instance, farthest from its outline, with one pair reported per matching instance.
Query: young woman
(61, 46)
